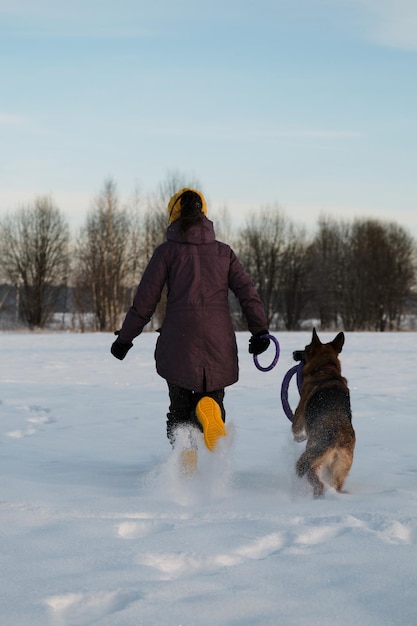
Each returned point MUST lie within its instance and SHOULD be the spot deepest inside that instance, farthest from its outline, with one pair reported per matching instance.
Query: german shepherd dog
(323, 416)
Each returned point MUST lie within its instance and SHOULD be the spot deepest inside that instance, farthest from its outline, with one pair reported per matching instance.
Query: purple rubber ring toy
(297, 369)
(275, 359)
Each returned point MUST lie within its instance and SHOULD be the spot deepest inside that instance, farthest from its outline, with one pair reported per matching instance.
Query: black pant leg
(181, 410)
(182, 407)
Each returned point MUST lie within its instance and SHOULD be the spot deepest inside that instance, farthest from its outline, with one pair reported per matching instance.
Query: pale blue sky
(310, 104)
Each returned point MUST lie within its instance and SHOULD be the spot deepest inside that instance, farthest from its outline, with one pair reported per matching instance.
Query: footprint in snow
(307, 535)
(38, 417)
(142, 528)
(76, 609)
(388, 531)
(172, 565)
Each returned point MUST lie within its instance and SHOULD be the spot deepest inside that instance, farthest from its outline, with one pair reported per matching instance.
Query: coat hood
(198, 234)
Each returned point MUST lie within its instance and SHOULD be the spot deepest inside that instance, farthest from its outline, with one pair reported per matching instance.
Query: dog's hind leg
(316, 483)
(305, 468)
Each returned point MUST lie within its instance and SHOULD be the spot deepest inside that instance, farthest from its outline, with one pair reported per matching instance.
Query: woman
(196, 350)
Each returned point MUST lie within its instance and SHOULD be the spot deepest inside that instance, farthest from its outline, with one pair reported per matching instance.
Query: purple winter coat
(196, 348)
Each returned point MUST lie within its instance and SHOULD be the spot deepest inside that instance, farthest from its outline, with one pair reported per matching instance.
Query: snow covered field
(97, 527)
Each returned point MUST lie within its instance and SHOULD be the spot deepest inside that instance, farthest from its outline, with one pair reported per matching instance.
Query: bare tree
(294, 299)
(377, 275)
(223, 224)
(327, 263)
(403, 274)
(34, 256)
(261, 246)
(107, 253)
(396, 274)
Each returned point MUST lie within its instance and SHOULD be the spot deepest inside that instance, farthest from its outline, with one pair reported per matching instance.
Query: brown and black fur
(323, 416)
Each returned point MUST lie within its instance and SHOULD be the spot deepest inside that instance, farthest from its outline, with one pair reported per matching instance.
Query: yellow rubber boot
(210, 417)
(188, 462)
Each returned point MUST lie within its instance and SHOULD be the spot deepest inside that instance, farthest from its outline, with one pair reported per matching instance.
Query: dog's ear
(315, 340)
(338, 342)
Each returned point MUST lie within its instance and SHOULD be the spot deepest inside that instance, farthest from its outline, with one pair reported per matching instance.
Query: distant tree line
(356, 275)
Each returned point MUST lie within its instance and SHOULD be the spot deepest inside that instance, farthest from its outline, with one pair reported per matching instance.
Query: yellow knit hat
(174, 205)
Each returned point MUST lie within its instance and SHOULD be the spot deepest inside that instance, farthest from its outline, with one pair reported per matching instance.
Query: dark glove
(119, 349)
(258, 343)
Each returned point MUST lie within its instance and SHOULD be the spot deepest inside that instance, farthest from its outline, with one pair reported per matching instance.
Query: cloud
(390, 23)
